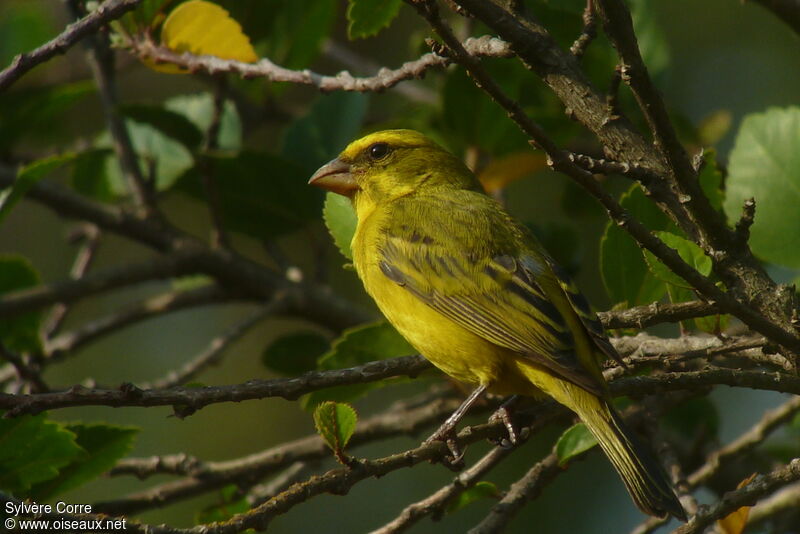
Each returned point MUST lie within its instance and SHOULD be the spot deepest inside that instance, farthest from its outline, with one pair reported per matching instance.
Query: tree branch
(105, 13)
(344, 81)
(746, 496)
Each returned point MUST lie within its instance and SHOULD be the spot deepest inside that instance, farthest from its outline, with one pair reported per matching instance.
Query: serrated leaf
(199, 110)
(335, 422)
(622, 266)
(367, 17)
(765, 165)
(357, 346)
(204, 28)
(32, 450)
(170, 123)
(295, 354)
(334, 120)
(27, 177)
(21, 332)
(574, 441)
(481, 490)
(341, 221)
(102, 446)
(688, 251)
(259, 194)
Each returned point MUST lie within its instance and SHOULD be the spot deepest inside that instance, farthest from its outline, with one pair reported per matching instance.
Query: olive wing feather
(501, 296)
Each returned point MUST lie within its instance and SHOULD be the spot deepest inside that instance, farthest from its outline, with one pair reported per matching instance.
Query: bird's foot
(505, 414)
(446, 434)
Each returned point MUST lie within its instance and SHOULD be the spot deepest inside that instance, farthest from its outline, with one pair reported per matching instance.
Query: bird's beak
(335, 176)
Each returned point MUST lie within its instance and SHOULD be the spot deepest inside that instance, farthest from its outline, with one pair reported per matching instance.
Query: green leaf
(27, 177)
(335, 422)
(168, 158)
(367, 17)
(624, 271)
(289, 33)
(575, 441)
(486, 125)
(89, 174)
(21, 332)
(357, 346)
(295, 354)
(32, 450)
(171, 123)
(341, 220)
(102, 446)
(199, 110)
(35, 112)
(765, 165)
(334, 120)
(688, 251)
(259, 194)
(481, 490)
(710, 179)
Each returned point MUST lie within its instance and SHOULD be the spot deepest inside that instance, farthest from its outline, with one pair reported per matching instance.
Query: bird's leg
(446, 432)
(505, 413)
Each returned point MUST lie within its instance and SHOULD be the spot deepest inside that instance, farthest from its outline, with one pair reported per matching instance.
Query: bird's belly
(455, 350)
(450, 347)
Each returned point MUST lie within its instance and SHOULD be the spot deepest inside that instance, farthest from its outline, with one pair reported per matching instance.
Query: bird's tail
(643, 475)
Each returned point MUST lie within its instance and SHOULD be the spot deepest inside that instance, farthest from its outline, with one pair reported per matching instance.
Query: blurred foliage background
(715, 64)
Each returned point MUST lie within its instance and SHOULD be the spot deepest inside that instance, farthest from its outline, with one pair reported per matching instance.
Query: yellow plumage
(477, 295)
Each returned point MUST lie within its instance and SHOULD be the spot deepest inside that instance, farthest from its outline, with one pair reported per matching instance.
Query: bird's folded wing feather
(505, 298)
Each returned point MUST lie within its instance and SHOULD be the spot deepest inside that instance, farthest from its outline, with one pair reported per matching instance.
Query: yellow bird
(478, 296)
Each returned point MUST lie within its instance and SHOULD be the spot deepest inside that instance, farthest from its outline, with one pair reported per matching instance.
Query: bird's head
(390, 164)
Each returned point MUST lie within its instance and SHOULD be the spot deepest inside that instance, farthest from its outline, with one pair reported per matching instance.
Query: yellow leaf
(204, 28)
(735, 522)
(510, 168)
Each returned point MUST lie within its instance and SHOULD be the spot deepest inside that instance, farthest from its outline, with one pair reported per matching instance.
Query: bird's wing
(510, 297)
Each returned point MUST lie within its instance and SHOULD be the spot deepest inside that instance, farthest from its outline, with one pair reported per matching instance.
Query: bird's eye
(378, 150)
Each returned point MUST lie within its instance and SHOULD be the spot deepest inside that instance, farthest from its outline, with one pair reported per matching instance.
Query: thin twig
(25, 372)
(344, 81)
(523, 490)
(90, 237)
(435, 504)
(101, 61)
(216, 349)
(169, 302)
(88, 25)
(219, 237)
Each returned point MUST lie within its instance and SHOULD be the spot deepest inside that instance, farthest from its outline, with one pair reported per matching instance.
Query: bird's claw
(455, 458)
(503, 413)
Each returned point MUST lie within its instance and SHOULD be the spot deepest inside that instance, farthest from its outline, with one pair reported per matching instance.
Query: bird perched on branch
(478, 296)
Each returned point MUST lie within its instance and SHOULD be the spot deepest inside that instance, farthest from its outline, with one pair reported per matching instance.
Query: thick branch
(188, 400)
(106, 12)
